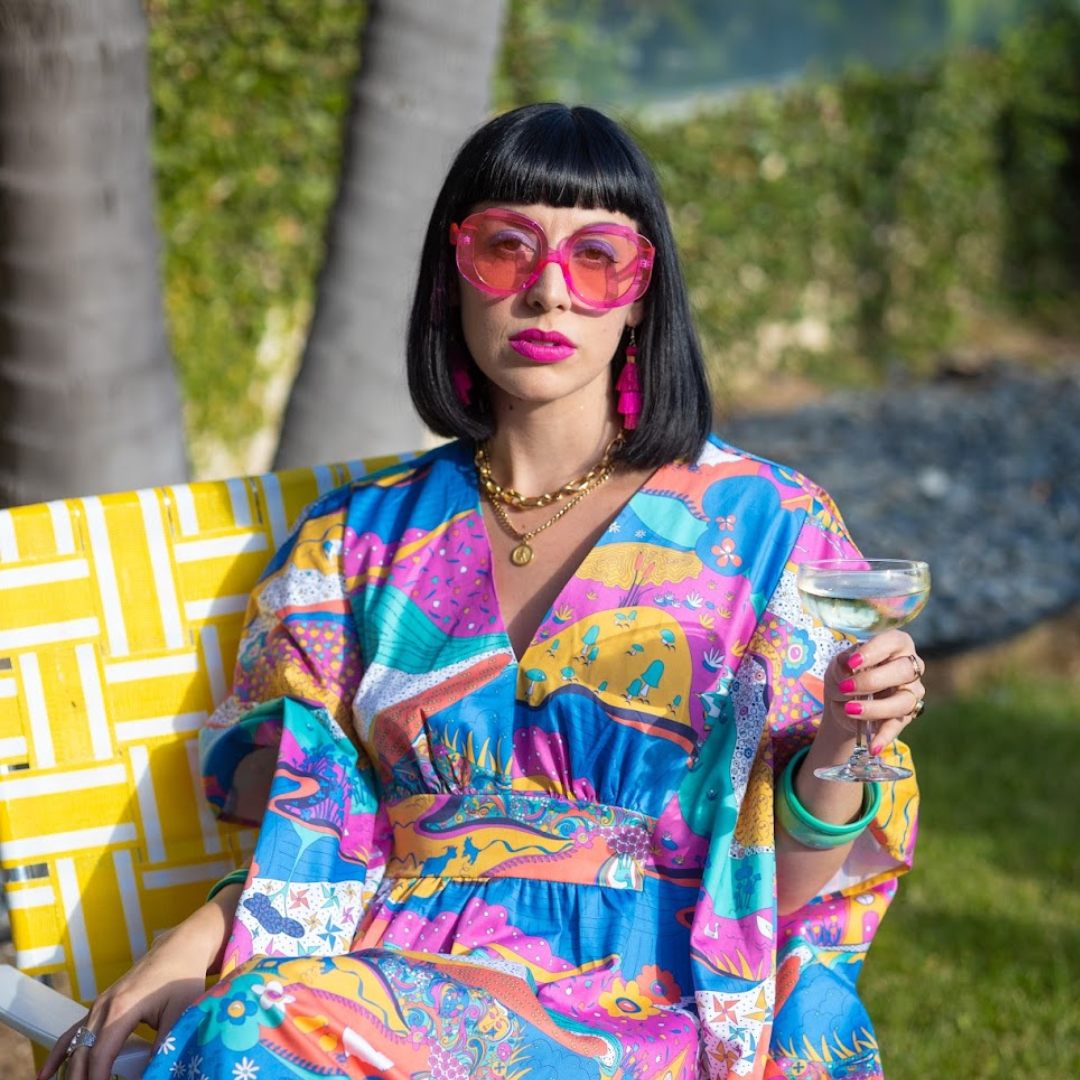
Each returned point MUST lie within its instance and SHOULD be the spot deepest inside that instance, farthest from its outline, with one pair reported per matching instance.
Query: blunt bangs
(565, 158)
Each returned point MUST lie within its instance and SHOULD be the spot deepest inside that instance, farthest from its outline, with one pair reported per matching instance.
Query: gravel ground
(979, 474)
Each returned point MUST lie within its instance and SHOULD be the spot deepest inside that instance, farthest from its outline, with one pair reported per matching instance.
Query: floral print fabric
(475, 864)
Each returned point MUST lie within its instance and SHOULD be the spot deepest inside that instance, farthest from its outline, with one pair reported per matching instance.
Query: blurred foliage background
(249, 100)
(851, 195)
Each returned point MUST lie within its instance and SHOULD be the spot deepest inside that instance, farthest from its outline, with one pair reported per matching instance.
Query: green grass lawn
(975, 973)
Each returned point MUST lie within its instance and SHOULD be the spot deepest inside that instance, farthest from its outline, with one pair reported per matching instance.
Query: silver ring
(83, 1037)
(917, 674)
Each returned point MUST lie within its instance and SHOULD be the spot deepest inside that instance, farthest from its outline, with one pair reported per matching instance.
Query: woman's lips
(542, 346)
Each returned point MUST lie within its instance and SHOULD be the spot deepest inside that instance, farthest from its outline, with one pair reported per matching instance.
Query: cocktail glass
(861, 598)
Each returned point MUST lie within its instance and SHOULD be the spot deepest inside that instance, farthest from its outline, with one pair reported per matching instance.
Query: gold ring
(920, 704)
(915, 672)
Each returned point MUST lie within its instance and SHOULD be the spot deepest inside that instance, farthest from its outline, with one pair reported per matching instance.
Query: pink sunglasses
(501, 252)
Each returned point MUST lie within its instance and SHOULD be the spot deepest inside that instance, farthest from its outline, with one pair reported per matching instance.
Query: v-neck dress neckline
(613, 526)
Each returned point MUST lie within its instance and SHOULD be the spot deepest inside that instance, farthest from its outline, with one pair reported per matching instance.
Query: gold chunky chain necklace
(523, 552)
(577, 489)
(515, 499)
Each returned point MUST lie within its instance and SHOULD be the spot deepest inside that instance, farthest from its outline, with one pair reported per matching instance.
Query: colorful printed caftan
(558, 865)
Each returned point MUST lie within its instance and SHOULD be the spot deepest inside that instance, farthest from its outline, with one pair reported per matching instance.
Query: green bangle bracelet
(810, 831)
(237, 876)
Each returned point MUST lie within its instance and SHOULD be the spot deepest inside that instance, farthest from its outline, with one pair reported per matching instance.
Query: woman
(524, 746)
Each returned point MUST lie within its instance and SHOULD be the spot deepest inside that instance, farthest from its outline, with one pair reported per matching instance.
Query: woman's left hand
(880, 681)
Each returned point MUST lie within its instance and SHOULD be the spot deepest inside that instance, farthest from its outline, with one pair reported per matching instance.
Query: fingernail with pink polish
(875, 750)
(855, 660)
(853, 708)
(847, 686)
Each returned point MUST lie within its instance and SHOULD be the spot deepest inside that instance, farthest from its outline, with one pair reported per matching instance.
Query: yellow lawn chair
(120, 617)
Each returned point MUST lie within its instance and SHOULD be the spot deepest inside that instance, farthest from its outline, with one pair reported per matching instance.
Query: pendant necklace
(501, 498)
(523, 552)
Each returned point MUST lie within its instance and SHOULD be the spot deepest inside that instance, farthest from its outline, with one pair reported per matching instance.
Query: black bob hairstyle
(564, 157)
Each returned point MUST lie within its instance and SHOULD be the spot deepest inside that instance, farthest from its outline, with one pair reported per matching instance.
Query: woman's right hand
(169, 978)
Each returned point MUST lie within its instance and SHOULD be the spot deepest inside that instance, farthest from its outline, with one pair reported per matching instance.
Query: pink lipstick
(542, 346)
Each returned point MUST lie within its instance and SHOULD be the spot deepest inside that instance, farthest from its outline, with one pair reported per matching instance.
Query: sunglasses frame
(461, 238)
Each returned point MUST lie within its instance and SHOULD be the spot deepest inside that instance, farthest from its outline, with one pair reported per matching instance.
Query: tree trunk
(423, 84)
(88, 395)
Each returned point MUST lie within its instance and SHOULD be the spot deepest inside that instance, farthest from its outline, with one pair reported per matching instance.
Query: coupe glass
(861, 598)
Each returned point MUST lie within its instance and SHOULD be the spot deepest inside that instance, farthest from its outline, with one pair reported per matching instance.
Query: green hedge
(834, 228)
(845, 227)
(249, 99)
(827, 227)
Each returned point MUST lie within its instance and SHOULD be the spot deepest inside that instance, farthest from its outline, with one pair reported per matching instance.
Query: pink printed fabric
(559, 864)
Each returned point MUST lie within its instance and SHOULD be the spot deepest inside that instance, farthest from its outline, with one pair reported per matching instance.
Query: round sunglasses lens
(603, 266)
(504, 254)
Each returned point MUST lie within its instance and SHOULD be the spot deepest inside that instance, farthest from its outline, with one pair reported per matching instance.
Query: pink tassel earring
(459, 372)
(462, 380)
(629, 388)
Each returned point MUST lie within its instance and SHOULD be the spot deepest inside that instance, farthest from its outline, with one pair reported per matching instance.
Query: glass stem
(862, 742)
(862, 735)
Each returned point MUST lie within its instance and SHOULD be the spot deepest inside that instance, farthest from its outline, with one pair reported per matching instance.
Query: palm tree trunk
(424, 80)
(88, 395)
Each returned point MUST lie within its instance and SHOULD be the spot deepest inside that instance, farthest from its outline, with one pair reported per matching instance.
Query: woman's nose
(550, 291)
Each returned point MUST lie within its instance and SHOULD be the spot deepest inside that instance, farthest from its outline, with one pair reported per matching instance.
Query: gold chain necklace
(523, 553)
(515, 499)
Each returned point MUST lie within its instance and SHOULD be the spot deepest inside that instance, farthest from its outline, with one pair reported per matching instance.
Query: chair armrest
(43, 1015)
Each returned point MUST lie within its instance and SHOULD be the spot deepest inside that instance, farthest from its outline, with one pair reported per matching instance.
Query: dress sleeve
(318, 856)
(808, 1019)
